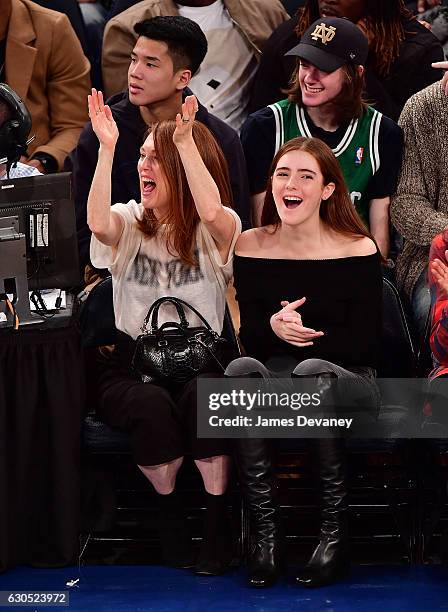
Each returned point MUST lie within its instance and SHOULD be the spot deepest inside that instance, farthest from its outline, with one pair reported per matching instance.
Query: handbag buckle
(162, 343)
(196, 338)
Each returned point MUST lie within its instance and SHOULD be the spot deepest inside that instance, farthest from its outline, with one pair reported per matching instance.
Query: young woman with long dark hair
(177, 241)
(309, 288)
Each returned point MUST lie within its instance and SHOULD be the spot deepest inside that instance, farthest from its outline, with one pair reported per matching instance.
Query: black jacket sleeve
(238, 180)
(275, 70)
(384, 181)
(411, 72)
(376, 94)
(83, 161)
(230, 144)
(258, 138)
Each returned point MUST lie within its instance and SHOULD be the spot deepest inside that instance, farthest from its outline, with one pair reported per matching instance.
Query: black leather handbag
(175, 352)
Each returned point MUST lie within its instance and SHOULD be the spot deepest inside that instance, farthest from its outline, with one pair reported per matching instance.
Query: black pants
(161, 422)
(353, 383)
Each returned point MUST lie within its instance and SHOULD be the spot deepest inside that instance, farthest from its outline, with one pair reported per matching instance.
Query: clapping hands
(439, 271)
(287, 324)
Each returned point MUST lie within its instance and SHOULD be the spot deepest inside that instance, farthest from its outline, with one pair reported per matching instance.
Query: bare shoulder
(362, 247)
(253, 242)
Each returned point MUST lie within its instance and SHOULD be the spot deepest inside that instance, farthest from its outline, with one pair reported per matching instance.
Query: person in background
(438, 331)
(420, 6)
(293, 5)
(42, 60)
(419, 209)
(438, 283)
(401, 51)
(316, 320)
(180, 223)
(94, 14)
(15, 126)
(156, 89)
(325, 101)
(235, 31)
(437, 20)
(73, 12)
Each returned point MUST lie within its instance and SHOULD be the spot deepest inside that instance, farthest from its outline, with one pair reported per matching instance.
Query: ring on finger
(184, 120)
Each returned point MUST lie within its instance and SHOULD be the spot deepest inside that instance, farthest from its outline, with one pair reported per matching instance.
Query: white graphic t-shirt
(225, 77)
(143, 270)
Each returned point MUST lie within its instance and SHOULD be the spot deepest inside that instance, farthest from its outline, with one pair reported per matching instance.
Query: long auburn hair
(337, 212)
(347, 104)
(385, 21)
(182, 218)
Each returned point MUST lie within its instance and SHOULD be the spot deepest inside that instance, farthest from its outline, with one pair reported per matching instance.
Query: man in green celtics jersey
(325, 101)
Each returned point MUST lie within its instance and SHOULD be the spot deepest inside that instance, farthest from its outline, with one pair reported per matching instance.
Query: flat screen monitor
(46, 217)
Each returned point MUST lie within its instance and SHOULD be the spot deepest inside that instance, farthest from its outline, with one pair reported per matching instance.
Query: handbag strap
(179, 304)
(209, 350)
(153, 314)
(196, 312)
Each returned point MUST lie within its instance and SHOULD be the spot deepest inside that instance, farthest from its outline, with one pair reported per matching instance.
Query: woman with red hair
(177, 241)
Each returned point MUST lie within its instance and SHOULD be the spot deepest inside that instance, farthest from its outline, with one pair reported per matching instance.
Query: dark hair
(384, 20)
(187, 44)
(348, 103)
(337, 212)
(183, 217)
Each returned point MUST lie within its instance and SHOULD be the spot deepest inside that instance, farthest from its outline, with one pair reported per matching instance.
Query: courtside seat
(100, 438)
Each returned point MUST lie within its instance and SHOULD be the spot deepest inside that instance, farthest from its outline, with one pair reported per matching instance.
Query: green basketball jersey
(357, 152)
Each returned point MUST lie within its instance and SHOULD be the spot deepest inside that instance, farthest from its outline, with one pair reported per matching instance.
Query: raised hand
(103, 123)
(287, 325)
(185, 120)
(424, 5)
(439, 271)
(443, 66)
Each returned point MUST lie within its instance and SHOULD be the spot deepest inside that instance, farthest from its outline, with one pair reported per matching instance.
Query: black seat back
(96, 316)
(397, 355)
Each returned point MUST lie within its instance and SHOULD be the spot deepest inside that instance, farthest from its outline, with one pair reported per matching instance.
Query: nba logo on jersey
(359, 155)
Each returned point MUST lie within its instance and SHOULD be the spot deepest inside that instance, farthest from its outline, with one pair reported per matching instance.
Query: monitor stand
(13, 268)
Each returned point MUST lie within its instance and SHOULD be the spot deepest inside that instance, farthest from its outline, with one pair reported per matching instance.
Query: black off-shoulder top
(343, 299)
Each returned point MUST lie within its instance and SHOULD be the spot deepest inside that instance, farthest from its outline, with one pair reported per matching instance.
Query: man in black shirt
(168, 52)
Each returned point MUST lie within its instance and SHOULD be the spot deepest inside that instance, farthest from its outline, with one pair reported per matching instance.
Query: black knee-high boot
(259, 489)
(217, 546)
(330, 560)
(175, 538)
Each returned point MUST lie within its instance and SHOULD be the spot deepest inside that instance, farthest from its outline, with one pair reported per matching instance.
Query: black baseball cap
(331, 42)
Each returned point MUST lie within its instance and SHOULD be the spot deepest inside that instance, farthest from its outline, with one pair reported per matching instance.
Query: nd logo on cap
(324, 33)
